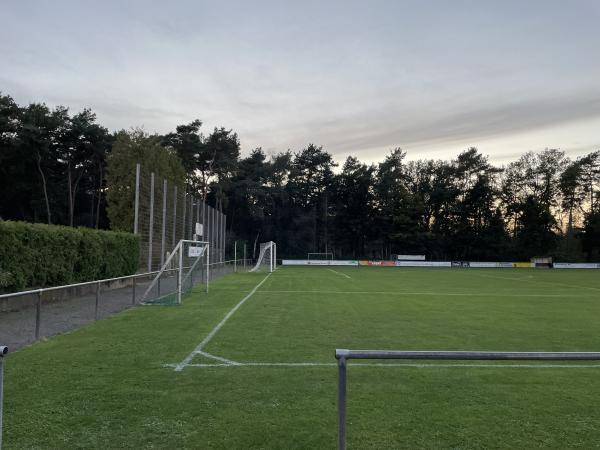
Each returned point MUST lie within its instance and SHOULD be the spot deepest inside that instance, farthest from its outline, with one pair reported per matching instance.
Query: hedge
(37, 255)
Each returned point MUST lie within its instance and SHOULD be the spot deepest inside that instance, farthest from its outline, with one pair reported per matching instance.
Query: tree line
(68, 169)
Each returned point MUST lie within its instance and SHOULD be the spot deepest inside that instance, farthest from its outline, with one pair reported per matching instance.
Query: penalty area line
(339, 273)
(198, 350)
(395, 365)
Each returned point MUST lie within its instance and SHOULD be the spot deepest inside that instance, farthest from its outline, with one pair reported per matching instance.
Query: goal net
(267, 257)
(185, 267)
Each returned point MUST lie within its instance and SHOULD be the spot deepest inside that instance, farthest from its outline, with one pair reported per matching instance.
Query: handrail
(342, 355)
(84, 283)
(104, 280)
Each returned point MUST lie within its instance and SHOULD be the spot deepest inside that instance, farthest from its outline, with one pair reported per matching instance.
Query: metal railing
(24, 319)
(343, 355)
(3, 351)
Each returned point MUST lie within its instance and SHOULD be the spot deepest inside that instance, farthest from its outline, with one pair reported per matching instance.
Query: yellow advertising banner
(523, 265)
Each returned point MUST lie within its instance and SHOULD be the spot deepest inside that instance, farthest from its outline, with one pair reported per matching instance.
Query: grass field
(132, 381)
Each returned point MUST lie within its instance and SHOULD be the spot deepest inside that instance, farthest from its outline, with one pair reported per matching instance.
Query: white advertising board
(410, 257)
(194, 252)
(490, 264)
(576, 265)
(423, 264)
(319, 262)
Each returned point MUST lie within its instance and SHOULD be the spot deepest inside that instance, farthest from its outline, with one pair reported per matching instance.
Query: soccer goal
(267, 257)
(318, 257)
(186, 266)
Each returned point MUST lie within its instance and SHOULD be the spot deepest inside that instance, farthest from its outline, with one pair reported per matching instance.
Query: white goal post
(267, 257)
(186, 265)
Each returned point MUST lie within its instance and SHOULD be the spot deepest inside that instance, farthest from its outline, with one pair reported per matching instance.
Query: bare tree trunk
(39, 166)
(72, 193)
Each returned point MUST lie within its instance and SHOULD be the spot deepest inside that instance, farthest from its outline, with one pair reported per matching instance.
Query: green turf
(106, 386)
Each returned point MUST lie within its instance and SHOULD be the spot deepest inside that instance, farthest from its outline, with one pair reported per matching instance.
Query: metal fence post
(151, 225)
(207, 267)
(183, 215)
(164, 224)
(235, 256)
(244, 256)
(223, 239)
(97, 301)
(342, 403)
(174, 215)
(3, 351)
(137, 199)
(180, 271)
(191, 221)
(38, 315)
(133, 291)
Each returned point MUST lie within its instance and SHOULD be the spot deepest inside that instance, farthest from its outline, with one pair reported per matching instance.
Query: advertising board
(423, 264)
(577, 265)
(319, 262)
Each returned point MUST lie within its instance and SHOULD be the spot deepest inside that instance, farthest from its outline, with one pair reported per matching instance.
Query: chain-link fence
(165, 213)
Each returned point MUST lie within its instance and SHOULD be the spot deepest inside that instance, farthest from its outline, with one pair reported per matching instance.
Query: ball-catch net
(267, 257)
(185, 267)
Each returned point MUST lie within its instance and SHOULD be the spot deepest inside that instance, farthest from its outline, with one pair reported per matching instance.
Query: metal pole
(235, 256)
(164, 224)
(174, 215)
(207, 266)
(210, 235)
(223, 235)
(133, 291)
(97, 301)
(342, 403)
(183, 215)
(180, 271)
(3, 351)
(217, 257)
(151, 225)
(137, 199)
(191, 235)
(244, 256)
(38, 315)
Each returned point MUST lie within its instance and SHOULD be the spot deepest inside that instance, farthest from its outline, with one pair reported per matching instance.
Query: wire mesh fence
(165, 213)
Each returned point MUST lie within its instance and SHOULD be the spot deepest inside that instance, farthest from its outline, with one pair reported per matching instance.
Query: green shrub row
(37, 255)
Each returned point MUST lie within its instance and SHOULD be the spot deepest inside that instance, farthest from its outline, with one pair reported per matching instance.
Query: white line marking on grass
(218, 358)
(339, 273)
(215, 330)
(440, 294)
(396, 365)
(531, 279)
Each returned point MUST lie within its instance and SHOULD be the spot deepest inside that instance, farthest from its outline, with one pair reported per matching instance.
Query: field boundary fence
(164, 213)
(343, 355)
(28, 316)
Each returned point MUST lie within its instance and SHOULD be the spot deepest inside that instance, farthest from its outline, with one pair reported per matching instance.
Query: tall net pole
(136, 206)
(164, 223)
(151, 222)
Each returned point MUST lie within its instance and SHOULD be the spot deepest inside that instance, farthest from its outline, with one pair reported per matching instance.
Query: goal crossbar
(343, 355)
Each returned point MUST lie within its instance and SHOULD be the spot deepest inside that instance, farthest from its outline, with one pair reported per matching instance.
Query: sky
(358, 78)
